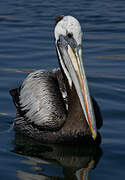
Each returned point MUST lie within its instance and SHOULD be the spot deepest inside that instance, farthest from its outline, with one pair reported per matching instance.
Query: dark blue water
(27, 43)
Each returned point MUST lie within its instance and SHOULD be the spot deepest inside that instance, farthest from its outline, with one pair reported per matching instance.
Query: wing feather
(41, 99)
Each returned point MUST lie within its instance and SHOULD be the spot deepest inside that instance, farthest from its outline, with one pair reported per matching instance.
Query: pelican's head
(68, 35)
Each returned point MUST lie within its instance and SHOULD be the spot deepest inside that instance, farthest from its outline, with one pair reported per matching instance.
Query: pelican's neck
(73, 99)
(75, 117)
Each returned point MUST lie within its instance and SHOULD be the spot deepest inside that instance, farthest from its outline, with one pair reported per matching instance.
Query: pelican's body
(56, 106)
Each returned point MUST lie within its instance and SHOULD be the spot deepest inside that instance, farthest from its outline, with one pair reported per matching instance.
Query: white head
(69, 25)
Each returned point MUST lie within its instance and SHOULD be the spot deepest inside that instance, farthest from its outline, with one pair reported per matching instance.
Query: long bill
(72, 63)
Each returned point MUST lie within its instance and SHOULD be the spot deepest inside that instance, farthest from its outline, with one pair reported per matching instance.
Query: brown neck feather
(75, 117)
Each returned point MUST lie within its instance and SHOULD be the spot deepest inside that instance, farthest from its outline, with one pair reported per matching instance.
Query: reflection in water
(55, 161)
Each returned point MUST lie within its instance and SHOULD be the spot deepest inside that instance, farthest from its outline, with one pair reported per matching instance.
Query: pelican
(56, 106)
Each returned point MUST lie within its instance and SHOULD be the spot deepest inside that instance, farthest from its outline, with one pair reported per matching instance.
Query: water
(27, 43)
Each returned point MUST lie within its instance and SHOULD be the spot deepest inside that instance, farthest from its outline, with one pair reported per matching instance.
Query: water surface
(26, 44)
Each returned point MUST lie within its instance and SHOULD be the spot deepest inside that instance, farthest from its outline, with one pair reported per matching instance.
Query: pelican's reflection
(52, 162)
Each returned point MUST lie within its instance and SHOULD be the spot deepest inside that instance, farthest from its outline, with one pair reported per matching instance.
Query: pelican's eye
(70, 35)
